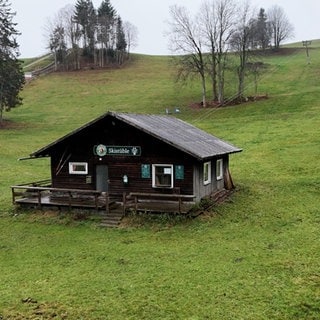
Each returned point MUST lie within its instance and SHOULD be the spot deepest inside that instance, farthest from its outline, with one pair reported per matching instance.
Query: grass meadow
(255, 257)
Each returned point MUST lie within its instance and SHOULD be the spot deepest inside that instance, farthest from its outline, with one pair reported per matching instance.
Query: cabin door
(102, 178)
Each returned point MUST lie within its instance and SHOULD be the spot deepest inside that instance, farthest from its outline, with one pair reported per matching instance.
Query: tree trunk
(241, 70)
(1, 116)
(204, 94)
(1, 106)
(241, 84)
(214, 76)
(220, 84)
(55, 60)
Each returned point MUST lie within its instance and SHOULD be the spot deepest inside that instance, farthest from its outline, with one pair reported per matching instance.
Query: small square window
(219, 169)
(78, 167)
(206, 173)
(162, 176)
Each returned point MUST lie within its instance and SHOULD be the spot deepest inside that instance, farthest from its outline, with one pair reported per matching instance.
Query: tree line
(97, 36)
(204, 43)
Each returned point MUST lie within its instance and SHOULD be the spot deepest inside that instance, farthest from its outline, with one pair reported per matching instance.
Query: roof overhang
(203, 146)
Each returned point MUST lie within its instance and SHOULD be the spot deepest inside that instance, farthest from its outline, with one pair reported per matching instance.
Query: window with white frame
(78, 167)
(206, 173)
(219, 169)
(162, 176)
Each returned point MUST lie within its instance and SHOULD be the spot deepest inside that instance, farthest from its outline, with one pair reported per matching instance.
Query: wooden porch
(40, 194)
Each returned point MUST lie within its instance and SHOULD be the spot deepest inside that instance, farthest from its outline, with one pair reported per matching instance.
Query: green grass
(255, 257)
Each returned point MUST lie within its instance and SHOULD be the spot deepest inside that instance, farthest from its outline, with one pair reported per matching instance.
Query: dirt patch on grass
(32, 310)
(282, 51)
(11, 125)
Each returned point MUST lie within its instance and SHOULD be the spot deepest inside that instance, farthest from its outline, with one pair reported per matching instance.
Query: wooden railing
(41, 194)
(135, 199)
(41, 183)
(45, 70)
(35, 194)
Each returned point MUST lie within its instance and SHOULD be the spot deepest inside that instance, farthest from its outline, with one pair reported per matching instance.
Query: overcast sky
(150, 17)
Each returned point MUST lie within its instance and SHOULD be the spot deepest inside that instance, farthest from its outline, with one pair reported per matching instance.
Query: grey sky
(149, 16)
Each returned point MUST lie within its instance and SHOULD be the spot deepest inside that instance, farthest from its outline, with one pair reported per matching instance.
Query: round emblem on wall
(101, 150)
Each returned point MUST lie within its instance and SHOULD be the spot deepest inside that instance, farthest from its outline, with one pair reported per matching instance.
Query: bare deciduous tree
(186, 41)
(58, 45)
(131, 34)
(62, 33)
(281, 27)
(241, 41)
(218, 25)
(54, 36)
(73, 34)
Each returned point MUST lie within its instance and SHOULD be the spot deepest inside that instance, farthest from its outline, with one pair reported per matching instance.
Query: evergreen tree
(107, 31)
(11, 74)
(121, 44)
(262, 31)
(97, 34)
(85, 16)
(106, 9)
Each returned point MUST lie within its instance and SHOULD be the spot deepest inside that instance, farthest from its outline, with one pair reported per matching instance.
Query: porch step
(113, 218)
(220, 196)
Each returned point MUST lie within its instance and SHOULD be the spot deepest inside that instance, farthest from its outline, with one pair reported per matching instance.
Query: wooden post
(96, 201)
(180, 203)
(306, 44)
(107, 202)
(70, 196)
(39, 199)
(136, 203)
(13, 196)
(124, 199)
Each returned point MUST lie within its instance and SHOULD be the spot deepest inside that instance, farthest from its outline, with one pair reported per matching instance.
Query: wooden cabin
(139, 154)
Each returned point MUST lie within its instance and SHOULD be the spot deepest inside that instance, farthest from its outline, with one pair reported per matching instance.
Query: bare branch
(186, 40)
(282, 29)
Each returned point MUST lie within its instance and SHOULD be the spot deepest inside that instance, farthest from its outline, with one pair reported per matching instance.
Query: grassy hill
(256, 257)
(33, 64)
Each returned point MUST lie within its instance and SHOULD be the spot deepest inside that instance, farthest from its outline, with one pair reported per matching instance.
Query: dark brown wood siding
(79, 148)
(61, 178)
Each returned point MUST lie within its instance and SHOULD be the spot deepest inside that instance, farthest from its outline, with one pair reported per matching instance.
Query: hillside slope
(255, 257)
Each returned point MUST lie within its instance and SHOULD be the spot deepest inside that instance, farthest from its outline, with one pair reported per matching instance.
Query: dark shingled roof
(173, 131)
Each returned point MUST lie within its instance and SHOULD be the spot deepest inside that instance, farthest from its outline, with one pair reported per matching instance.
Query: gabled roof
(175, 132)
